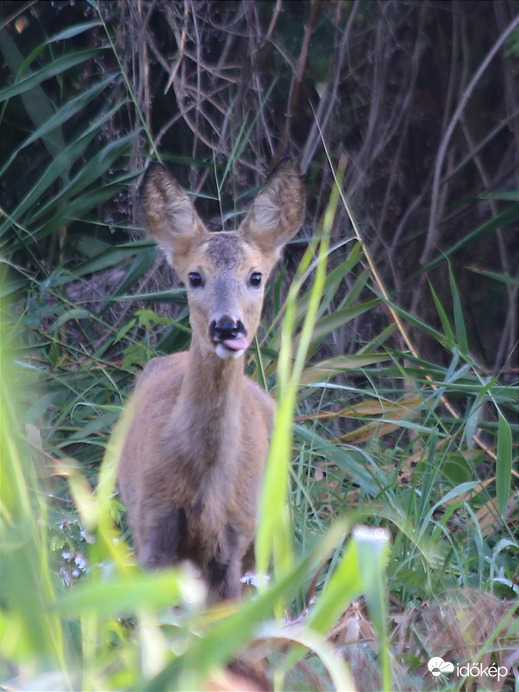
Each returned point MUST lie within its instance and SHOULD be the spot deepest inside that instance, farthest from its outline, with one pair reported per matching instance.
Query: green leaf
(73, 314)
(504, 278)
(372, 547)
(96, 167)
(361, 570)
(54, 171)
(141, 265)
(112, 256)
(459, 490)
(231, 634)
(446, 325)
(27, 578)
(419, 324)
(506, 195)
(459, 322)
(506, 217)
(72, 31)
(344, 586)
(175, 296)
(340, 456)
(76, 209)
(504, 464)
(36, 103)
(103, 422)
(334, 366)
(274, 536)
(120, 596)
(335, 279)
(319, 644)
(61, 116)
(54, 68)
(326, 325)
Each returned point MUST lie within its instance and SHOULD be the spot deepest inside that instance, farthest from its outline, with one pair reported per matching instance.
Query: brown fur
(192, 463)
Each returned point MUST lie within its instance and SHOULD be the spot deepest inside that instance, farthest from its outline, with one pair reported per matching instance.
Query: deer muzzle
(229, 337)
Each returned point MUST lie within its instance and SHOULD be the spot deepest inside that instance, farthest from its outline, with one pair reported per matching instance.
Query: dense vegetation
(390, 511)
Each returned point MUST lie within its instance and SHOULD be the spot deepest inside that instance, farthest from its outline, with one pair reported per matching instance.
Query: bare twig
(440, 158)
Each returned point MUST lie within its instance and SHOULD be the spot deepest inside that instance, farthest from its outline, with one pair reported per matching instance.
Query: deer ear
(277, 213)
(169, 215)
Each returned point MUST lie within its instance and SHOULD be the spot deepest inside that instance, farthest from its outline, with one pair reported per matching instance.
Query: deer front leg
(223, 569)
(223, 579)
(159, 542)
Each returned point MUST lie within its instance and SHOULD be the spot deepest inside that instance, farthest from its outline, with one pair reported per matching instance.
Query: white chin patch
(226, 353)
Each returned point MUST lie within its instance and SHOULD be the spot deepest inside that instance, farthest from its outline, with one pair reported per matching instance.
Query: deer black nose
(226, 328)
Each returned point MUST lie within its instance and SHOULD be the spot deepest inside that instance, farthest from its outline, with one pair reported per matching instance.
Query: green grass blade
(54, 171)
(502, 219)
(26, 586)
(119, 596)
(61, 116)
(329, 323)
(36, 103)
(334, 366)
(496, 276)
(142, 264)
(459, 322)
(446, 325)
(340, 456)
(306, 638)
(72, 31)
(372, 547)
(229, 636)
(504, 463)
(56, 67)
(111, 255)
(274, 536)
(344, 586)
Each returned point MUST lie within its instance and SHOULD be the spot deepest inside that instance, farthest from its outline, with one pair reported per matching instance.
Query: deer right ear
(278, 212)
(169, 215)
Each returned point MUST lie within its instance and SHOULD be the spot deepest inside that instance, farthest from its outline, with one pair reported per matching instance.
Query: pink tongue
(238, 344)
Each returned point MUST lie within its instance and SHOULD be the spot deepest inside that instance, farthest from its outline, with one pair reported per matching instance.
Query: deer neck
(210, 405)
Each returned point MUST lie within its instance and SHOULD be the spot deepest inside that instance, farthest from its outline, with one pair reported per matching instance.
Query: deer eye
(195, 280)
(255, 279)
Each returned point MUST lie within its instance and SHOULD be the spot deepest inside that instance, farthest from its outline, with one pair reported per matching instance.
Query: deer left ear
(277, 213)
(169, 215)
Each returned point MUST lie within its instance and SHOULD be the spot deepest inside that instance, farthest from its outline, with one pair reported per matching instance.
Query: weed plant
(388, 527)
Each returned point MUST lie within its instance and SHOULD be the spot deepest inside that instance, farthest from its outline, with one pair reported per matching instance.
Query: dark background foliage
(415, 94)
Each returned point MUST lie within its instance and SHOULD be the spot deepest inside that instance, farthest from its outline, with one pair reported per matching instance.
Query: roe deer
(191, 467)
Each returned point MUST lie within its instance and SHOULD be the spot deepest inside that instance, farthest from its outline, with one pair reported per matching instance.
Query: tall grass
(448, 526)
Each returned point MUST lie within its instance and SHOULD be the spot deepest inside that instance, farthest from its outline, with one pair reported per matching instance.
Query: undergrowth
(393, 540)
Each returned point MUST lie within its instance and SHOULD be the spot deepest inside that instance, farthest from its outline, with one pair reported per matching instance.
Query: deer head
(224, 272)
